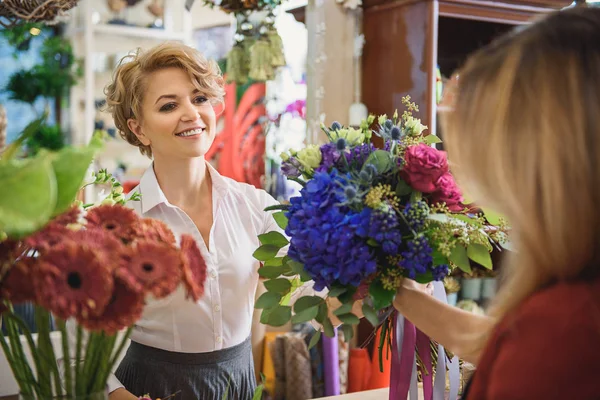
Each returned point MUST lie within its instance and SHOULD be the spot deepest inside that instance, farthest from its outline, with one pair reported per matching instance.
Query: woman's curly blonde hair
(125, 93)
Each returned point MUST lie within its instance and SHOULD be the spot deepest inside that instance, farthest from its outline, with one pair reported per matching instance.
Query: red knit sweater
(548, 348)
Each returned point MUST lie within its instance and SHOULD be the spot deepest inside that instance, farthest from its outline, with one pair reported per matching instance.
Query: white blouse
(222, 318)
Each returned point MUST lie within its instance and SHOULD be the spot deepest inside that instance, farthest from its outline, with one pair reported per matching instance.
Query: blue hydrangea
(417, 258)
(325, 234)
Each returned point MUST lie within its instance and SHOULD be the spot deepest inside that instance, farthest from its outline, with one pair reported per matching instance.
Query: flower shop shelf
(417, 36)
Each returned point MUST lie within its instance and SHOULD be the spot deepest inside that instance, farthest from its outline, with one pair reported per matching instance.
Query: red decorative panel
(239, 148)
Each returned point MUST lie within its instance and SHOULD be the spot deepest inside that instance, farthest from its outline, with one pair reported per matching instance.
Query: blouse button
(213, 274)
(219, 339)
(217, 308)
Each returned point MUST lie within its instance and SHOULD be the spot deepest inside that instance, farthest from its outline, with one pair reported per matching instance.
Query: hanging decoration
(14, 12)
(258, 48)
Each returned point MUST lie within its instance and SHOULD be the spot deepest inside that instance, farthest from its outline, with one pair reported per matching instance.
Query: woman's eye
(167, 107)
(200, 99)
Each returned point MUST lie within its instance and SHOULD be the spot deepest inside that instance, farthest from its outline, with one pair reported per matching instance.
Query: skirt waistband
(144, 352)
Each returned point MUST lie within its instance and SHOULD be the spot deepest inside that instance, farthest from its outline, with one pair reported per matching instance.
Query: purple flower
(359, 154)
(291, 168)
(330, 157)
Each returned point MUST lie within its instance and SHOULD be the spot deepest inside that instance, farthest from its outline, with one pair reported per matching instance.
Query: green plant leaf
(266, 252)
(314, 340)
(370, 314)
(328, 328)
(403, 189)
(372, 242)
(347, 296)
(269, 272)
(11, 150)
(382, 297)
(281, 219)
(381, 160)
(467, 219)
(432, 139)
(480, 254)
(296, 283)
(349, 318)
(337, 291)
(323, 312)
(264, 316)
(274, 262)
(460, 258)
(258, 393)
(273, 238)
(307, 302)
(306, 315)
(279, 315)
(492, 216)
(439, 258)
(348, 332)
(279, 285)
(424, 278)
(29, 198)
(267, 300)
(70, 166)
(343, 309)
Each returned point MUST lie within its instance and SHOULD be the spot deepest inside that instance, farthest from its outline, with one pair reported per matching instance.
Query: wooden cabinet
(406, 40)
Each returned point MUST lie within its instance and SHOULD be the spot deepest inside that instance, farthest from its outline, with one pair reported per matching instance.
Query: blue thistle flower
(336, 126)
(341, 144)
(395, 133)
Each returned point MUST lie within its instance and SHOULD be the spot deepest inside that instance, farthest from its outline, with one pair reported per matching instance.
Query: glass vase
(103, 395)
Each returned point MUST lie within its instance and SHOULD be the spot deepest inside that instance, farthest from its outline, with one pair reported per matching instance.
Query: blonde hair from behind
(524, 136)
(124, 95)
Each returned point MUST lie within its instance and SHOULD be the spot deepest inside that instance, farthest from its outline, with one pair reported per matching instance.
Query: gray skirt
(205, 376)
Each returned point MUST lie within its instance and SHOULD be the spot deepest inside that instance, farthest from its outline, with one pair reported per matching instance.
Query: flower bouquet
(365, 219)
(94, 267)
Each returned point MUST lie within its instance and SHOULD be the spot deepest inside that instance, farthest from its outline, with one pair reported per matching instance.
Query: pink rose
(423, 167)
(448, 192)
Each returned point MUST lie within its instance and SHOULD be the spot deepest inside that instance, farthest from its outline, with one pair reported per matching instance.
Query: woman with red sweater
(532, 100)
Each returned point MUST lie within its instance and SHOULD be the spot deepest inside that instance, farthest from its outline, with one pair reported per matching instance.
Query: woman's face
(177, 121)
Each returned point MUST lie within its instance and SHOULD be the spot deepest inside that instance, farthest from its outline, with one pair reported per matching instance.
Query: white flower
(414, 125)
(310, 157)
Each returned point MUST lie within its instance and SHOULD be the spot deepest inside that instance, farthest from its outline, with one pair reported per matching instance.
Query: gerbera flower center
(74, 280)
(148, 267)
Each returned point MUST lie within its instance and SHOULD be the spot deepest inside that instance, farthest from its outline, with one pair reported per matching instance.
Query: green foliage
(48, 137)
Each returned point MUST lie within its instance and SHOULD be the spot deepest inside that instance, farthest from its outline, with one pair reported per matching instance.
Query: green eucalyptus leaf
(266, 252)
(460, 258)
(348, 332)
(337, 291)
(382, 297)
(480, 254)
(296, 283)
(424, 278)
(323, 312)
(306, 302)
(381, 160)
(269, 272)
(314, 340)
(328, 328)
(343, 309)
(306, 315)
(264, 316)
(273, 238)
(279, 316)
(281, 219)
(279, 285)
(349, 318)
(370, 314)
(372, 242)
(268, 300)
(439, 258)
(347, 296)
(274, 262)
(30, 193)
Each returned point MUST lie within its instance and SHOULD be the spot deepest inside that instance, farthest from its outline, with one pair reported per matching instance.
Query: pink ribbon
(403, 360)
(423, 344)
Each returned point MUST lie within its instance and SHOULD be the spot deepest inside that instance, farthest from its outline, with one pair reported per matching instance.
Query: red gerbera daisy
(151, 267)
(71, 216)
(154, 229)
(193, 266)
(72, 280)
(50, 236)
(105, 244)
(123, 310)
(16, 285)
(116, 219)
